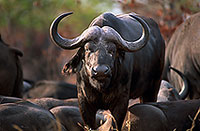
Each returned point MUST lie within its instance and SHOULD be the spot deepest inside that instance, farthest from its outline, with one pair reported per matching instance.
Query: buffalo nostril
(94, 71)
(107, 69)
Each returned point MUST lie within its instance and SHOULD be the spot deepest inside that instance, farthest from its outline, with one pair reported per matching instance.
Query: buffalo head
(101, 49)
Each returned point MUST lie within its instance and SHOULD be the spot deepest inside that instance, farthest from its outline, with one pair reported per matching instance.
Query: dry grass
(17, 128)
(58, 124)
(193, 121)
(128, 122)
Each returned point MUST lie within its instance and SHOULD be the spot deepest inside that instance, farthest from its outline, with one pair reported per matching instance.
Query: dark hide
(26, 116)
(164, 116)
(49, 103)
(65, 111)
(11, 76)
(131, 74)
(53, 89)
(70, 117)
(183, 53)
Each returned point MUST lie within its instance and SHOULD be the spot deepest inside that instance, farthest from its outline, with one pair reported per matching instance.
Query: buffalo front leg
(119, 112)
(88, 114)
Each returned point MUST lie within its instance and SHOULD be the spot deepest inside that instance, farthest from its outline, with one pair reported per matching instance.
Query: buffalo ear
(75, 64)
(16, 51)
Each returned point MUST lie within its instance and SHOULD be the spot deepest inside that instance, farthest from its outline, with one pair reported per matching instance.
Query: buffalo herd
(183, 53)
(128, 79)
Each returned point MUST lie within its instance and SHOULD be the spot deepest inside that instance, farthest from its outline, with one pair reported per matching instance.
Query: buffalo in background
(11, 75)
(42, 114)
(164, 116)
(53, 89)
(119, 57)
(63, 90)
(169, 93)
(18, 114)
(183, 53)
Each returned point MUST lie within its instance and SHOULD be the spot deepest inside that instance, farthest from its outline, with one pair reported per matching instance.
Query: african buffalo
(53, 89)
(167, 92)
(70, 118)
(119, 57)
(183, 53)
(65, 111)
(11, 76)
(25, 116)
(164, 116)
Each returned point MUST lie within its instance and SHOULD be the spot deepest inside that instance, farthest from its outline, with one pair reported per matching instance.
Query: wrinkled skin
(11, 76)
(52, 89)
(163, 116)
(121, 75)
(182, 53)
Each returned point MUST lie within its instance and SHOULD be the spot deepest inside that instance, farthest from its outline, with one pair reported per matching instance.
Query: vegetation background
(25, 24)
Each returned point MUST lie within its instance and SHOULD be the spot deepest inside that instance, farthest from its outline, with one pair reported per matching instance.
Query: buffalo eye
(89, 47)
(86, 48)
(111, 52)
(111, 49)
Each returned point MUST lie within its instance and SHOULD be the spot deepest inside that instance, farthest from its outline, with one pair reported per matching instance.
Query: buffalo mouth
(101, 83)
(101, 78)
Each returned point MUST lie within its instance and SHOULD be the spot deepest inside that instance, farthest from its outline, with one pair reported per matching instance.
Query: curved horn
(130, 46)
(184, 90)
(59, 40)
